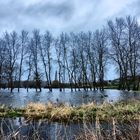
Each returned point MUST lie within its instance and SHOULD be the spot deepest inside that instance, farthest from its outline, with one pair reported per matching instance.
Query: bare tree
(118, 52)
(45, 52)
(12, 46)
(3, 62)
(102, 55)
(63, 47)
(132, 39)
(82, 59)
(59, 61)
(29, 66)
(23, 52)
(124, 35)
(34, 47)
(73, 66)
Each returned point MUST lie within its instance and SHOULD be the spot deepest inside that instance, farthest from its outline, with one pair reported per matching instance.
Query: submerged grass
(61, 112)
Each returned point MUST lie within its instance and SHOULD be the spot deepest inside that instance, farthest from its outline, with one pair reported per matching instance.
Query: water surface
(22, 98)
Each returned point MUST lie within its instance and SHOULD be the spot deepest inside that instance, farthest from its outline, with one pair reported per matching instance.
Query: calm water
(43, 130)
(22, 98)
(23, 129)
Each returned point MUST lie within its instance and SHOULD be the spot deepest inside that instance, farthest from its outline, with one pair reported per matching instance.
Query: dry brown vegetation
(86, 112)
(123, 117)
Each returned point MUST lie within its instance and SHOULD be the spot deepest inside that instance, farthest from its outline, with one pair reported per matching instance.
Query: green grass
(111, 87)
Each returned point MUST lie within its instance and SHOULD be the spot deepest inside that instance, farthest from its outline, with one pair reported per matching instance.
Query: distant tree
(3, 62)
(102, 55)
(45, 53)
(23, 40)
(124, 36)
(34, 48)
(58, 50)
(63, 44)
(73, 66)
(12, 45)
(91, 52)
(29, 66)
(132, 38)
(83, 61)
(79, 59)
(119, 52)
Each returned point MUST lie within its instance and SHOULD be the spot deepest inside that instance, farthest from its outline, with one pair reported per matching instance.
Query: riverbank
(129, 110)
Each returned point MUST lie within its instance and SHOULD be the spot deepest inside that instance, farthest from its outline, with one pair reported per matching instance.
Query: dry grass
(86, 112)
(118, 131)
(89, 111)
(35, 107)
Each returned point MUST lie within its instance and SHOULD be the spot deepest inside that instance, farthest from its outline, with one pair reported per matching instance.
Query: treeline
(79, 59)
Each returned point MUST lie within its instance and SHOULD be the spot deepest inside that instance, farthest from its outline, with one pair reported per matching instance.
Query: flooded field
(21, 129)
(22, 98)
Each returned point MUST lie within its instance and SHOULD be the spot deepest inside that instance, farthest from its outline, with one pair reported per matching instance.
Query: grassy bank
(61, 112)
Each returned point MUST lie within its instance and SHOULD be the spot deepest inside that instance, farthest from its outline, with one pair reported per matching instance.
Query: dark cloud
(62, 15)
(63, 10)
(17, 15)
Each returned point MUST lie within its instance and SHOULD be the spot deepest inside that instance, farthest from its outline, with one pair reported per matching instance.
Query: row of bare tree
(79, 59)
(124, 35)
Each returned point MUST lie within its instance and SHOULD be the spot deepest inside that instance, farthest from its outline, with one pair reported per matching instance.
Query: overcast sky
(63, 15)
